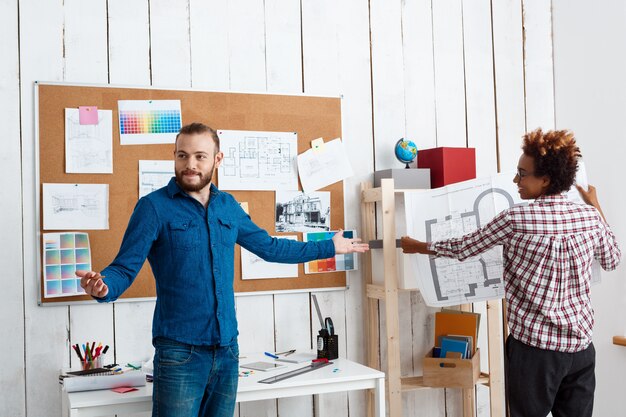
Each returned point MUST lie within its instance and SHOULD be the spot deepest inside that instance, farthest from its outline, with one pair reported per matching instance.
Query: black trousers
(539, 381)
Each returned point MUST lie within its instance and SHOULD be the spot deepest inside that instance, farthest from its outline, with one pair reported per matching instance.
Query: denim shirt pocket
(228, 232)
(184, 234)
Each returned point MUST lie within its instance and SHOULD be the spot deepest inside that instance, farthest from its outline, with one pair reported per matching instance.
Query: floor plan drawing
(477, 277)
(454, 211)
(258, 160)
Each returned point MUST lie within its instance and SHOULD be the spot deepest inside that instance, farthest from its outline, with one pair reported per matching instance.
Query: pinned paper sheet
(64, 254)
(253, 267)
(322, 167)
(88, 147)
(244, 206)
(75, 206)
(88, 115)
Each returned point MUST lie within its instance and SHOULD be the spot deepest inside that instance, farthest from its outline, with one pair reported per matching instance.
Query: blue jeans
(192, 381)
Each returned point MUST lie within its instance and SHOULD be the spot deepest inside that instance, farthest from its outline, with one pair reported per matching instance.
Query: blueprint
(75, 206)
(454, 211)
(258, 160)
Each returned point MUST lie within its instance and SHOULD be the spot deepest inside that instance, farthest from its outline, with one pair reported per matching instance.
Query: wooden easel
(388, 292)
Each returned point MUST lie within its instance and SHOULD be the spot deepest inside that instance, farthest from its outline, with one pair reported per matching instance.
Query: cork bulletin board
(310, 117)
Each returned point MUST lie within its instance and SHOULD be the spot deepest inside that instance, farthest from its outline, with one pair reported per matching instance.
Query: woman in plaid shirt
(548, 249)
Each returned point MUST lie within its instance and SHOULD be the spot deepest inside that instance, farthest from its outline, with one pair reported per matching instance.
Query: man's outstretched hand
(92, 282)
(345, 245)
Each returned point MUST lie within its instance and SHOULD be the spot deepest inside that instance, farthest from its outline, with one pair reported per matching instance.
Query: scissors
(328, 324)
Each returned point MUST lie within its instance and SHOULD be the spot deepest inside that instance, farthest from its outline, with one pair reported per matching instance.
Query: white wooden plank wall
(442, 73)
(12, 384)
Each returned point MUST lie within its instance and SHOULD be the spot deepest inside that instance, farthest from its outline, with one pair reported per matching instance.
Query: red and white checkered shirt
(548, 249)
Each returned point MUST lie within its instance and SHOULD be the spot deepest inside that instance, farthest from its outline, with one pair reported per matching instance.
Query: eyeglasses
(521, 174)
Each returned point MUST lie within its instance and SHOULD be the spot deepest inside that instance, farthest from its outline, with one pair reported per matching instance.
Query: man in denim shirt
(188, 231)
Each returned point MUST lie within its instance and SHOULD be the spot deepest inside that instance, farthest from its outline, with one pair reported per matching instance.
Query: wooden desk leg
(380, 397)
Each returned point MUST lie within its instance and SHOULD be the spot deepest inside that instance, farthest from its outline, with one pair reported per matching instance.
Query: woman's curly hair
(556, 156)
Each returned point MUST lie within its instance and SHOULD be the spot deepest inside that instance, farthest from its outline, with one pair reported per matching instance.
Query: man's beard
(204, 181)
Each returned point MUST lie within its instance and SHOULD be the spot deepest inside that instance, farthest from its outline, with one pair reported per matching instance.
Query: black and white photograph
(300, 212)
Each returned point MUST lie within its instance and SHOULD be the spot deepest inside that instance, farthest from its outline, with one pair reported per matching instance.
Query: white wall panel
(129, 42)
(170, 47)
(209, 44)
(46, 338)
(449, 73)
(320, 52)
(292, 324)
(85, 41)
(479, 80)
(255, 315)
(283, 46)
(538, 64)
(246, 43)
(12, 384)
(387, 81)
(508, 56)
(419, 73)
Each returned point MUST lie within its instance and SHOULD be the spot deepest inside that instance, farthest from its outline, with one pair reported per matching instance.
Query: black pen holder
(328, 346)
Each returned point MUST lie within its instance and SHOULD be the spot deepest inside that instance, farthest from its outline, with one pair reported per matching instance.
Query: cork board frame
(311, 117)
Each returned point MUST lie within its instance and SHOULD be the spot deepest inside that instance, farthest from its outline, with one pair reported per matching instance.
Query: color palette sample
(144, 122)
(149, 121)
(345, 262)
(63, 255)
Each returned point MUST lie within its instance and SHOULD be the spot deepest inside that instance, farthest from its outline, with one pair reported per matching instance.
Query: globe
(405, 151)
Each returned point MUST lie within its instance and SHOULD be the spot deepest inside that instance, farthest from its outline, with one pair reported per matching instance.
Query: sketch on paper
(258, 160)
(75, 206)
(254, 267)
(299, 212)
(63, 255)
(154, 175)
(323, 166)
(88, 148)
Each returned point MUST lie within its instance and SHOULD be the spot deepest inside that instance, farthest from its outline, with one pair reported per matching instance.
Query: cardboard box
(448, 165)
(450, 372)
(411, 178)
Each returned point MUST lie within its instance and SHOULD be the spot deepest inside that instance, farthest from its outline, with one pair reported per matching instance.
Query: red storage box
(448, 165)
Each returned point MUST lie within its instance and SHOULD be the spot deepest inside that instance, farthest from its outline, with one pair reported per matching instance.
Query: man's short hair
(198, 129)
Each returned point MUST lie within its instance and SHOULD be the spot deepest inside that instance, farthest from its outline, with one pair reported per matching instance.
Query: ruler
(293, 373)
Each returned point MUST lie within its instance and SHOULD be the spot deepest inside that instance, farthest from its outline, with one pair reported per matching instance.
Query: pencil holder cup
(328, 346)
(93, 364)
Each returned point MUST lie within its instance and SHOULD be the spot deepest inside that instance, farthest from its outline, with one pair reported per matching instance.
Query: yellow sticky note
(318, 144)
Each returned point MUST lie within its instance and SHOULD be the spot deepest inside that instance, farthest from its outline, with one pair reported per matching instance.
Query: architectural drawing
(258, 160)
(454, 211)
(75, 206)
(88, 148)
(480, 276)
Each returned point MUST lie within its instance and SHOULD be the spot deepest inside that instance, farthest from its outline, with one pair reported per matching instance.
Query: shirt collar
(173, 189)
(550, 198)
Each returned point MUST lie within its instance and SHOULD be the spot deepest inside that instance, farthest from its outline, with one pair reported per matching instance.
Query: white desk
(349, 376)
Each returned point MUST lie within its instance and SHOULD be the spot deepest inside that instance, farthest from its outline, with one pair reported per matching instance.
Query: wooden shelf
(619, 340)
(412, 383)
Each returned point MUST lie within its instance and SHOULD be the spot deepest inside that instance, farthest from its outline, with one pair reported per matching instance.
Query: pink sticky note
(88, 115)
(123, 390)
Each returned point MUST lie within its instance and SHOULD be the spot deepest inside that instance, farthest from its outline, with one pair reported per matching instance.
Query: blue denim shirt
(191, 252)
